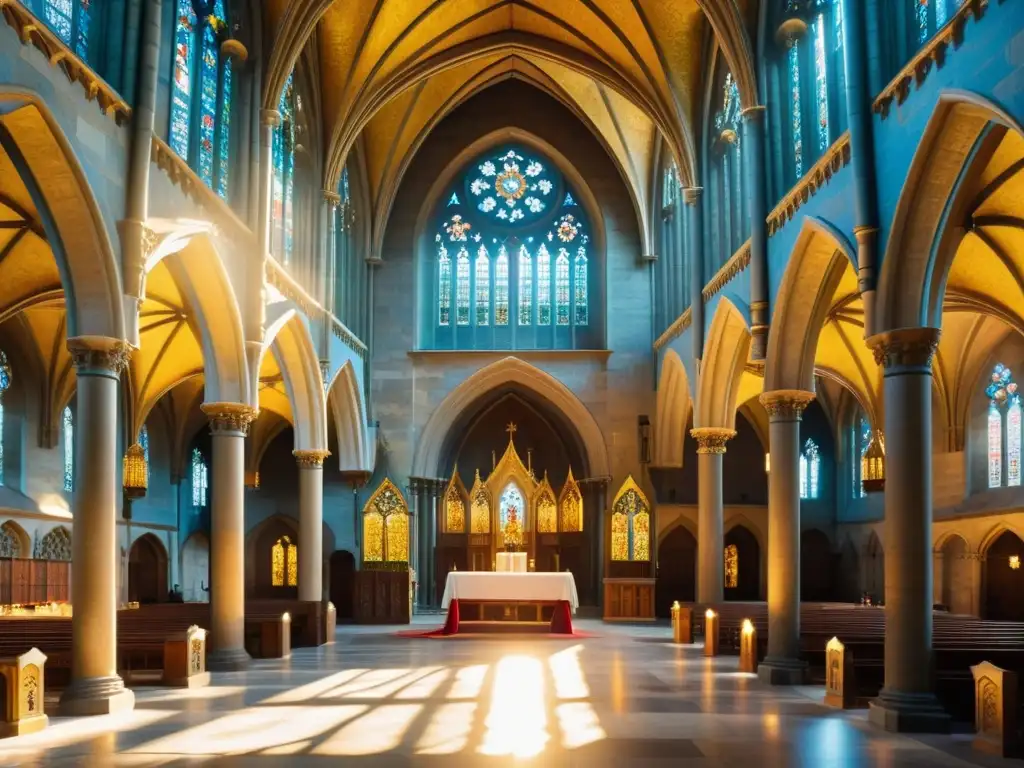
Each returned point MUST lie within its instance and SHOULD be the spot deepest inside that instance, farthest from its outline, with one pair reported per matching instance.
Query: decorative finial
(511, 429)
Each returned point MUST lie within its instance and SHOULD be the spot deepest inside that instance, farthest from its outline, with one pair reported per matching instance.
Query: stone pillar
(95, 687)
(938, 562)
(229, 424)
(695, 227)
(907, 701)
(434, 489)
(311, 524)
(754, 167)
(977, 563)
(175, 558)
(710, 525)
(782, 664)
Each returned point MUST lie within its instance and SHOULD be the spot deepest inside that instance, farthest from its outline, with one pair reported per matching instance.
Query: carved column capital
(310, 459)
(755, 113)
(235, 50)
(691, 195)
(229, 417)
(907, 350)
(333, 199)
(270, 117)
(99, 355)
(712, 439)
(786, 404)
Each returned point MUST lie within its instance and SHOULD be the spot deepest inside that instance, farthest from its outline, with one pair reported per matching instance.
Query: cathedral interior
(710, 304)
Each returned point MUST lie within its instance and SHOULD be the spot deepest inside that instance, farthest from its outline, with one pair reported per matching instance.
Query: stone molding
(905, 349)
(712, 440)
(333, 199)
(691, 195)
(229, 417)
(270, 117)
(678, 327)
(738, 262)
(310, 459)
(98, 355)
(834, 160)
(786, 404)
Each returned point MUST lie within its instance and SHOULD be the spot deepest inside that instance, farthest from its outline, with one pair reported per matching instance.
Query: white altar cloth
(510, 562)
(487, 585)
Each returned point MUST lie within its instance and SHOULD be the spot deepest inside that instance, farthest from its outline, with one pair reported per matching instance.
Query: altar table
(487, 601)
(510, 562)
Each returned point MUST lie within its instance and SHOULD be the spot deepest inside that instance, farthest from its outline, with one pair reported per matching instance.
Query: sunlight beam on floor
(448, 730)
(64, 733)
(517, 720)
(380, 730)
(579, 723)
(315, 689)
(568, 674)
(468, 682)
(425, 687)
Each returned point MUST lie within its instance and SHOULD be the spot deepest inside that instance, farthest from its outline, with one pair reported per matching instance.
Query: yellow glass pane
(642, 536)
(293, 565)
(572, 513)
(547, 515)
(480, 514)
(373, 537)
(455, 513)
(398, 538)
(620, 537)
(732, 567)
(277, 565)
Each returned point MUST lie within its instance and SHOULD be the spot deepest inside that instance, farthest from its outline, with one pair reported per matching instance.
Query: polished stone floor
(624, 697)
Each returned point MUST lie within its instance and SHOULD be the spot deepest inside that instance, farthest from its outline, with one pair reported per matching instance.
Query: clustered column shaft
(311, 523)
(710, 514)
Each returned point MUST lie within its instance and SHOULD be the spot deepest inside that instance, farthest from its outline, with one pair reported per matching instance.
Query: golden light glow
(568, 674)
(311, 690)
(517, 720)
(379, 730)
(468, 682)
(1014, 562)
(135, 472)
(709, 614)
(618, 685)
(579, 724)
(748, 627)
(767, 463)
(448, 730)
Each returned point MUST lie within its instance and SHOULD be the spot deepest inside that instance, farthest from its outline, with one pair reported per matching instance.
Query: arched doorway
(195, 568)
(147, 570)
(747, 553)
(343, 574)
(874, 569)
(677, 562)
(956, 584)
(816, 566)
(1004, 578)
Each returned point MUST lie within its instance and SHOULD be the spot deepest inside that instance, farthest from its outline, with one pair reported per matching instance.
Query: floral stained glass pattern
(562, 287)
(821, 82)
(580, 301)
(483, 287)
(1013, 427)
(69, 449)
(454, 512)
(632, 506)
(511, 188)
(373, 537)
(796, 118)
(444, 287)
(224, 135)
(620, 536)
(1003, 396)
(525, 286)
(208, 105)
(547, 515)
(501, 287)
(386, 525)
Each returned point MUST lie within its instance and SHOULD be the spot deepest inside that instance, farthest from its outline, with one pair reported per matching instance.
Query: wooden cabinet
(383, 597)
(629, 599)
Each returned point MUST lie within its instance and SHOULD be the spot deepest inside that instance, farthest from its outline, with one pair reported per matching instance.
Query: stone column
(175, 563)
(977, 562)
(938, 563)
(695, 228)
(782, 664)
(311, 524)
(907, 701)
(434, 489)
(229, 424)
(754, 168)
(95, 687)
(710, 526)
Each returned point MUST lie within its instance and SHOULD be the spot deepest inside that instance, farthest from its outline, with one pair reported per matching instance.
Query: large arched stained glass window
(1004, 428)
(505, 219)
(68, 422)
(200, 479)
(201, 91)
(512, 516)
(284, 563)
(631, 523)
(283, 189)
(810, 470)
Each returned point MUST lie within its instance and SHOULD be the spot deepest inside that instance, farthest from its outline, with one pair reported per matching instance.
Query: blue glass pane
(57, 15)
(224, 137)
(821, 83)
(208, 106)
(796, 117)
(181, 89)
(82, 36)
(580, 286)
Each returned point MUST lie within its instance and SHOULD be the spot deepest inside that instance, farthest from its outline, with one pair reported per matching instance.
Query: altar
(487, 601)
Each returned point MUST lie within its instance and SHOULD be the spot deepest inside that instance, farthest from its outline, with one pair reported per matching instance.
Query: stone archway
(673, 412)
(147, 570)
(195, 568)
(275, 531)
(1004, 583)
(677, 570)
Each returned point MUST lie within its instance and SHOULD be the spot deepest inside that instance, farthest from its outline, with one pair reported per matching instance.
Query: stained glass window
(462, 287)
(69, 449)
(923, 33)
(10, 541)
(200, 479)
(810, 470)
(5, 384)
(562, 287)
(386, 525)
(454, 511)
(821, 82)
(483, 287)
(56, 545)
(283, 188)
(631, 522)
(284, 563)
(515, 212)
(444, 286)
(525, 286)
(796, 116)
(200, 117)
(69, 19)
(511, 503)
(501, 287)
(732, 566)
(144, 442)
(580, 284)
(861, 442)
(1003, 396)
(480, 513)
(543, 286)
(547, 514)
